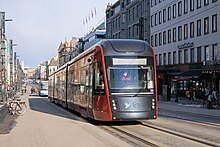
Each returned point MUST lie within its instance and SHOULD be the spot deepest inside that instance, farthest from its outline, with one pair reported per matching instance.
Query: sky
(39, 26)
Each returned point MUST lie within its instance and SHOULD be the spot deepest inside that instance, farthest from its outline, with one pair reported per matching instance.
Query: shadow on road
(43, 105)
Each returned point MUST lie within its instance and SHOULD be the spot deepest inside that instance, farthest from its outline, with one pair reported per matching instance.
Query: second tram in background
(115, 80)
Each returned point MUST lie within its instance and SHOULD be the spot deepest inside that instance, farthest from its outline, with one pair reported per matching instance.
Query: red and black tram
(114, 80)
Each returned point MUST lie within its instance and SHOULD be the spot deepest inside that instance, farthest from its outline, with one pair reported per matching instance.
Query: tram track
(131, 138)
(182, 135)
(136, 138)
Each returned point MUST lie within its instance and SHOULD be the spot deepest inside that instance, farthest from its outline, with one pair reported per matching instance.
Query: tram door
(90, 113)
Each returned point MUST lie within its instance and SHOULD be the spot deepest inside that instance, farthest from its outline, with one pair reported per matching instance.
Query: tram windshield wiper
(142, 89)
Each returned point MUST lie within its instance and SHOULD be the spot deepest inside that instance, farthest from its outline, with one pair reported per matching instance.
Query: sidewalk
(184, 105)
(6, 121)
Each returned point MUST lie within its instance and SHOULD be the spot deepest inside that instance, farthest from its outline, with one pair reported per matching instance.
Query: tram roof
(125, 47)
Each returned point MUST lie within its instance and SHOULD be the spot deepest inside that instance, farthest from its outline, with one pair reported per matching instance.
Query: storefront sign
(185, 45)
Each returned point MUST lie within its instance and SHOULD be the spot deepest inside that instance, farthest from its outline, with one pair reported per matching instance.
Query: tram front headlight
(114, 105)
(153, 103)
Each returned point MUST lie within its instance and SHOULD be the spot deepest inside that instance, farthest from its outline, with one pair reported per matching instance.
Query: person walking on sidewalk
(212, 95)
(190, 93)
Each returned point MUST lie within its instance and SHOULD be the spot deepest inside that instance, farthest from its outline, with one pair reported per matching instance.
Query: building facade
(94, 36)
(185, 36)
(128, 19)
(67, 50)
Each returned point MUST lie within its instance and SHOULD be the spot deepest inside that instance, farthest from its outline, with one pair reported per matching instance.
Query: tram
(114, 80)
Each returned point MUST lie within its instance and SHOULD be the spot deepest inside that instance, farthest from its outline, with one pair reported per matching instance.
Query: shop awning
(191, 74)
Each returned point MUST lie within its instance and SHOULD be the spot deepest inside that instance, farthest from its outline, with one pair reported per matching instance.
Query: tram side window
(99, 79)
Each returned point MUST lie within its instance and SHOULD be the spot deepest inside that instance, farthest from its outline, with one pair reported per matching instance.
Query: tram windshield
(130, 76)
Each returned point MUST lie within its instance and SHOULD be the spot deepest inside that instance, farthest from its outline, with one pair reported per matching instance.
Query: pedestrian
(190, 93)
(212, 95)
(125, 76)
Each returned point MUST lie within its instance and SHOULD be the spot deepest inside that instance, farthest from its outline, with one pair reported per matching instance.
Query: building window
(214, 1)
(191, 29)
(160, 17)
(192, 60)
(133, 31)
(180, 56)
(129, 32)
(164, 37)
(151, 2)
(123, 18)
(179, 33)
(214, 23)
(174, 57)
(169, 13)
(145, 25)
(160, 38)
(199, 54)
(164, 15)
(180, 8)
(185, 6)
(157, 60)
(133, 13)
(214, 52)
(199, 30)
(169, 36)
(152, 40)
(129, 15)
(206, 25)
(155, 40)
(191, 5)
(160, 59)
(185, 31)
(174, 10)
(198, 4)
(207, 55)
(185, 56)
(137, 10)
(174, 34)
(164, 59)
(155, 19)
(169, 58)
(206, 2)
(151, 20)
(137, 31)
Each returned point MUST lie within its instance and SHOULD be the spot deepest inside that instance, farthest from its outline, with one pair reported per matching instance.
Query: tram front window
(124, 80)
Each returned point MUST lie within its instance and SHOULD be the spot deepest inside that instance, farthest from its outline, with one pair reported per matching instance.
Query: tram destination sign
(120, 61)
(185, 45)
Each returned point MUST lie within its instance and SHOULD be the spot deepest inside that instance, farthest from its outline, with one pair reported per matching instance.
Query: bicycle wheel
(21, 108)
(214, 104)
(12, 107)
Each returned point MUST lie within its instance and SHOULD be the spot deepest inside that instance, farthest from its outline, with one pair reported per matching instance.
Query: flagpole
(95, 17)
(83, 27)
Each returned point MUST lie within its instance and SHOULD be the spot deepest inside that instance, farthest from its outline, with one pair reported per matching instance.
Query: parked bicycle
(16, 106)
(214, 103)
